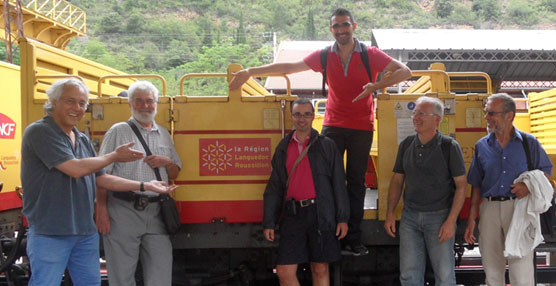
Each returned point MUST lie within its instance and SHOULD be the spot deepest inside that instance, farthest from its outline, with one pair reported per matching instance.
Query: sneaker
(355, 250)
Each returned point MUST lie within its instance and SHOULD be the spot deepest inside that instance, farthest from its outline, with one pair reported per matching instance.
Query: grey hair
(142, 85)
(438, 105)
(57, 88)
(508, 101)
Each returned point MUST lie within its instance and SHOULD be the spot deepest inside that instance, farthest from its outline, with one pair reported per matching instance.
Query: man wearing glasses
(306, 196)
(59, 172)
(500, 157)
(432, 167)
(131, 222)
(349, 116)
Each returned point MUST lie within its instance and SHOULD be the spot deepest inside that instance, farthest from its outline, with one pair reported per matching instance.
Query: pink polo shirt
(301, 182)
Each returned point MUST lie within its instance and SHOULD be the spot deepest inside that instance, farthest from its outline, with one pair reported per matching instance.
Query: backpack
(548, 218)
(324, 61)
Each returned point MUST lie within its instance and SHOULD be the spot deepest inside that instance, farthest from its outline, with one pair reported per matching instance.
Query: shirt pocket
(164, 151)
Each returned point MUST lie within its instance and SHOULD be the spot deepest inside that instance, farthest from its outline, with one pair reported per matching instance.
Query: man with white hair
(59, 171)
(131, 222)
(432, 167)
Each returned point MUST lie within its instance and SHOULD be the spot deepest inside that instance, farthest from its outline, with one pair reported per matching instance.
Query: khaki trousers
(495, 218)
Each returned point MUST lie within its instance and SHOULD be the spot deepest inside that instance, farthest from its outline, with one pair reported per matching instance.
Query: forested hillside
(175, 37)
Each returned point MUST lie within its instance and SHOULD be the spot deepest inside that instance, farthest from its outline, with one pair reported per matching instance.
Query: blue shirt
(494, 169)
(53, 202)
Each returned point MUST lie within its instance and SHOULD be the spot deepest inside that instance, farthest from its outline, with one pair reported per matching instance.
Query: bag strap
(145, 146)
(301, 155)
(323, 63)
(527, 150)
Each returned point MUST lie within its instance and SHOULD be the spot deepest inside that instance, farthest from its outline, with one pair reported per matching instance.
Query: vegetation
(176, 37)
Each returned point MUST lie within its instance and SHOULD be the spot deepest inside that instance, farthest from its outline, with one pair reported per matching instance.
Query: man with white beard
(131, 222)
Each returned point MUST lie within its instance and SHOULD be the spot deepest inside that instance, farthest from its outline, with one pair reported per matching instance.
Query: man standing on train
(306, 196)
(501, 157)
(432, 167)
(349, 116)
(131, 222)
(59, 172)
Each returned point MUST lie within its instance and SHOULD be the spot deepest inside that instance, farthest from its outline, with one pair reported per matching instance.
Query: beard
(141, 117)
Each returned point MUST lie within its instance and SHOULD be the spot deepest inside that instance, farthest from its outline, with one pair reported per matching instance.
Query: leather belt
(305, 203)
(132, 196)
(499, 199)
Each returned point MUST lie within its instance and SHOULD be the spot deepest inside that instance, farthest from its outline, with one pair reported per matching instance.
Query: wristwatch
(142, 187)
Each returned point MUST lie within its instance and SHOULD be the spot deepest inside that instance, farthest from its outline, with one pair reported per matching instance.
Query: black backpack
(324, 61)
(548, 218)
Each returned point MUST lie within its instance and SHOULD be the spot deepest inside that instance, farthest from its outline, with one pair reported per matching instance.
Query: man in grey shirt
(433, 169)
(133, 231)
(59, 172)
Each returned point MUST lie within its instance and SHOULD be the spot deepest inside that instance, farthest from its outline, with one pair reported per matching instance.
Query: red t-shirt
(340, 111)
(301, 182)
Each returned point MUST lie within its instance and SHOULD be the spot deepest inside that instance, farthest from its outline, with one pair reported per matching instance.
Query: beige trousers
(495, 218)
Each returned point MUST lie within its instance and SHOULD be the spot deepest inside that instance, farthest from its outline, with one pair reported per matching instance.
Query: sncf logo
(7, 127)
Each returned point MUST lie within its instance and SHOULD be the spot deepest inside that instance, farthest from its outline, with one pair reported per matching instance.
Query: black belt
(132, 196)
(306, 203)
(499, 199)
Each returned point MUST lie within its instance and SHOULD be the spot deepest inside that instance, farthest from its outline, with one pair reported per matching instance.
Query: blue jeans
(50, 255)
(419, 236)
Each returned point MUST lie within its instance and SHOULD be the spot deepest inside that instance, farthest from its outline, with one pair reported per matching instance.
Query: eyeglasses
(70, 101)
(342, 25)
(306, 115)
(492, 113)
(141, 102)
(421, 113)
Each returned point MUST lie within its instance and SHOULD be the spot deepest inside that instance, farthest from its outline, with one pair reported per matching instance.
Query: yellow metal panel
(11, 129)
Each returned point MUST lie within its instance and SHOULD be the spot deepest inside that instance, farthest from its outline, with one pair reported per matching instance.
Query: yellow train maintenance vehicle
(226, 144)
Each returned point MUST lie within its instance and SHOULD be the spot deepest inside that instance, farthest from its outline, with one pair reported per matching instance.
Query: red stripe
(225, 211)
(471, 130)
(9, 200)
(220, 182)
(188, 132)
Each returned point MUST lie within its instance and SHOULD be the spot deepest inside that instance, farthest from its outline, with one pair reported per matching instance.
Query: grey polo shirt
(428, 183)
(53, 202)
(159, 141)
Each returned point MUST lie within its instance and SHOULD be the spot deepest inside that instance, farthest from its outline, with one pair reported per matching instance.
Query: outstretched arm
(400, 72)
(242, 76)
(81, 167)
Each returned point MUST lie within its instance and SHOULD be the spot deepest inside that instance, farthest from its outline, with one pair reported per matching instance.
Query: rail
(131, 76)
(60, 11)
(250, 88)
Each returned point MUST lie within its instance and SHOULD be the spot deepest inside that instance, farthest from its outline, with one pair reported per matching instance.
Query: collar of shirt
(345, 65)
(434, 141)
(50, 121)
(491, 140)
(300, 144)
(153, 129)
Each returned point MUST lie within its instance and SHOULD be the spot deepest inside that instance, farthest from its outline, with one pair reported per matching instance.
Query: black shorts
(300, 242)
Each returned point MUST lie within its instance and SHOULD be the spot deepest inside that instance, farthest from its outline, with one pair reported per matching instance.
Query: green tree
(444, 8)
(135, 23)
(110, 23)
(522, 13)
(310, 31)
(486, 9)
(240, 32)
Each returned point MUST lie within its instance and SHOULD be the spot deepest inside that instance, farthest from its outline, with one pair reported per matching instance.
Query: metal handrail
(130, 76)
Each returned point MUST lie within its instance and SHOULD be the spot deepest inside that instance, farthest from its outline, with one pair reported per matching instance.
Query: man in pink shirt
(349, 117)
(306, 196)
